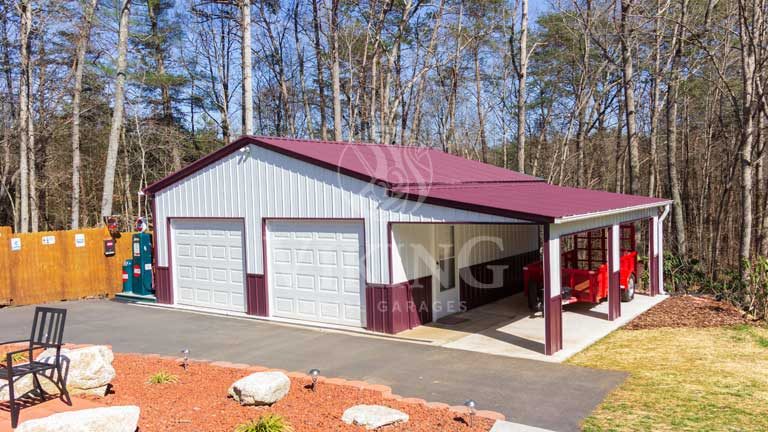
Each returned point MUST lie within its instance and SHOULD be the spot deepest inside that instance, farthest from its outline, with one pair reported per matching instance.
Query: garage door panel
(209, 263)
(315, 271)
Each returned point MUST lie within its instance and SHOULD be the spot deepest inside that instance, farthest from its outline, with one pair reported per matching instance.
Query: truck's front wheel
(534, 304)
(628, 293)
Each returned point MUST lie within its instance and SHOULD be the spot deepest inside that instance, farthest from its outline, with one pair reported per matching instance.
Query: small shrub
(19, 357)
(163, 378)
(266, 423)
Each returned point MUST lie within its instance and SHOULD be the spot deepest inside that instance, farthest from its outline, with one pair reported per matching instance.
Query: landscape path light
(314, 374)
(185, 351)
(471, 406)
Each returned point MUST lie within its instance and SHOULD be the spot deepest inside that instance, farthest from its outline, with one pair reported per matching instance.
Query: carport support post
(553, 303)
(614, 263)
(653, 255)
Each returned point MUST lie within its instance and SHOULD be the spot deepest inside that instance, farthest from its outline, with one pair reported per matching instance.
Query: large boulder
(260, 388)
(106, 419)
(20, 386)
(88, 370)
(373, 416)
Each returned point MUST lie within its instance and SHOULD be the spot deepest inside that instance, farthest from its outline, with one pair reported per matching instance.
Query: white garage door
(209, 264)
(316, 271)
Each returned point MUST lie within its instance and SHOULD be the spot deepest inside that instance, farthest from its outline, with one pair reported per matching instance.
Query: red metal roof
(536, 201)
(430, 175)
(396, 165)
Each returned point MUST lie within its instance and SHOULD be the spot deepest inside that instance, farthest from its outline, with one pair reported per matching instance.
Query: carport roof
(432, 176)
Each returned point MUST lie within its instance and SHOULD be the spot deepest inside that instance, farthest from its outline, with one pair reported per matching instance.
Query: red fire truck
(584, 274)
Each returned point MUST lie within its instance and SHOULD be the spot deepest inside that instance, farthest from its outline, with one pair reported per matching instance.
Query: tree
(25, 115)
(118, 110)
(628, 82)
(79, 67)
(247, 66)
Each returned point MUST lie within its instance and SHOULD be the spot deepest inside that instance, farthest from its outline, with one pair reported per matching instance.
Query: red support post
(553, 301)
(614, 263)
(653, 255)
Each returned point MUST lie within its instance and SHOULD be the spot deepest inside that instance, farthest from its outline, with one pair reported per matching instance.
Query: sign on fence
(15, 244)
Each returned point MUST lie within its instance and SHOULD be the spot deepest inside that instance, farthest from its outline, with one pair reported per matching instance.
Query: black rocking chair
(47, 332)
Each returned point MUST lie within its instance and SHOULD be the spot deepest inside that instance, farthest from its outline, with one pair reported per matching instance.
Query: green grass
(686, 379)
(163, 378)
(267, 423)
(19, 357)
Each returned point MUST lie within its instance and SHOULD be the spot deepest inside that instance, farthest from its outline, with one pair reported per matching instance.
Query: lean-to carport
(560, 211)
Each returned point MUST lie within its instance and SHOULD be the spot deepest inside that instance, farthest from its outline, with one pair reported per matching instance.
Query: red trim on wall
(511, 281)
(163, 288)
(392, 308)
(257, 302)
(614, 277)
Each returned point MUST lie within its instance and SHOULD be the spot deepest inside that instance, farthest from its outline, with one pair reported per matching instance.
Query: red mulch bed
(199, 402)
(689, 311)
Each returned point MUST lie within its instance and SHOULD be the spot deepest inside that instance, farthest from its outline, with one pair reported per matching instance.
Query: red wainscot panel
(392, 308)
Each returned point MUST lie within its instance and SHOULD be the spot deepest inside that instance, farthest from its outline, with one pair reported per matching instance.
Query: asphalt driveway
(547, 395)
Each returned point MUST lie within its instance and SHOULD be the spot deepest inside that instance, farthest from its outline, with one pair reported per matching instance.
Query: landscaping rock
(260, 388)
(20, 387)
(106, 419)
(89, 371)
(373, 416)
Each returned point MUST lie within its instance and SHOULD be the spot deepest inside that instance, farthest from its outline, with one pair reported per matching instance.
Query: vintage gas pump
(142, 260)
(127, 276)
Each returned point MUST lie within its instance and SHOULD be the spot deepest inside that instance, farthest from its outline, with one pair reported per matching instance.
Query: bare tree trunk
(750, 32)
(319, 64)
(8, 124)
(522, 76)
(245, 27)
(25, 13)
(655, 101)
(333, 34)
(678, 210)
(165, 91)
(79, 66)
(479, 105)
(34, 203)
(118, 111)
(629, 97)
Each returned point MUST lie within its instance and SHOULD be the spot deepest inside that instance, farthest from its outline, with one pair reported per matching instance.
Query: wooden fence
(59, 265)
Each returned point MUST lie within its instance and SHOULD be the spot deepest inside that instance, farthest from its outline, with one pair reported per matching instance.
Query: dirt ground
(199, 401)
(689, 311)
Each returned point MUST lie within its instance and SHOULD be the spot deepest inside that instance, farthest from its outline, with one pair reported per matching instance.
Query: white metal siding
(261, 183)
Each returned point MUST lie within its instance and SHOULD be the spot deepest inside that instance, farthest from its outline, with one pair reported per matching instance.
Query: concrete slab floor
(508, 328)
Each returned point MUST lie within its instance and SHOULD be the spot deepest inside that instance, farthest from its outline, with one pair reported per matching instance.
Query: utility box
(128, 276)
(142, 264)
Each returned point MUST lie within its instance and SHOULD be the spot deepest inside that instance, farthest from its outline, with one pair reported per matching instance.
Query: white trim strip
(566, 219)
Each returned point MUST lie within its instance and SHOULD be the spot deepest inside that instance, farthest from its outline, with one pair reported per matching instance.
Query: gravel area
(689, 311)
(199, 402)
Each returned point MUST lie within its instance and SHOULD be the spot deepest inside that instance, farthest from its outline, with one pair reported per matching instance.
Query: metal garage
(382, 237)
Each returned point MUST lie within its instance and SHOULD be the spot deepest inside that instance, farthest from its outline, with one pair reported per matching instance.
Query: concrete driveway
(530, 392)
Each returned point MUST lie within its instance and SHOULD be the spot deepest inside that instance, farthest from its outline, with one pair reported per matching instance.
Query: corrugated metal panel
(261, 183)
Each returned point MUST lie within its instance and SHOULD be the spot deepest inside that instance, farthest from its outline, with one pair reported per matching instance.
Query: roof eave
(574, 218)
